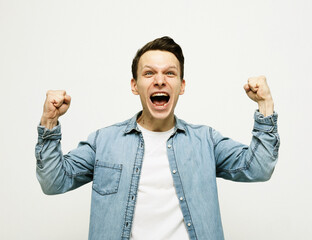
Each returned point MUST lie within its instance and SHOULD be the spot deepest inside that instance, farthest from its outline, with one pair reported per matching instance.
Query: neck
(156, 125)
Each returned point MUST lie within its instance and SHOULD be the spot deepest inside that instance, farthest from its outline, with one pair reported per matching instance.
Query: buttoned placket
(179, 189)
(133, 189)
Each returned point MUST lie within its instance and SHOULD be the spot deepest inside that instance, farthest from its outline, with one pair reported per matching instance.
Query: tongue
(159, 102)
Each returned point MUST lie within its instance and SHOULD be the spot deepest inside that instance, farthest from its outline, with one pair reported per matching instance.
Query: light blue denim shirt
(112, 158)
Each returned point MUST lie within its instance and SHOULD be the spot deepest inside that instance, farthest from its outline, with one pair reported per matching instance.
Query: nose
(160, 80)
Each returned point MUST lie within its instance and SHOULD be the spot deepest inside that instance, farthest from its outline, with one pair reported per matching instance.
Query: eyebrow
(148, 66)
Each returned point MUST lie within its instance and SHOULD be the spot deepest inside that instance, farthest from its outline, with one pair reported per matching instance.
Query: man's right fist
(56, 104)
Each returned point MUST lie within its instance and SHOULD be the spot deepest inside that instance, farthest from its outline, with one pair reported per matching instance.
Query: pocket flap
(106, 177)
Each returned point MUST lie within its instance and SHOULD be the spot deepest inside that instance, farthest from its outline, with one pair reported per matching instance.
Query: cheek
(178, 88)
(145, 84)
(143, 95)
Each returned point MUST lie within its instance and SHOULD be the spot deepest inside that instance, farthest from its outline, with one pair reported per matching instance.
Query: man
(154, 175)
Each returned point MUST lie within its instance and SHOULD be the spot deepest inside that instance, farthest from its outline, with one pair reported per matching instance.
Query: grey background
(86, 48)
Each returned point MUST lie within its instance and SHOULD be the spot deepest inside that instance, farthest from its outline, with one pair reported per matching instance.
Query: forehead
(158, 59)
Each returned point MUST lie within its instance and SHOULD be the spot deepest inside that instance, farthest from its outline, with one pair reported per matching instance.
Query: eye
(170, 73)
(148, 73)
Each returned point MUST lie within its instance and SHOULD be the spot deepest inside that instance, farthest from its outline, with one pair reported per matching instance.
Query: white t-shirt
(157, 213)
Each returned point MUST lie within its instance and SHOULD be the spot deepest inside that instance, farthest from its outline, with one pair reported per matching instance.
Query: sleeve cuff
(51, 134)
(265, 124)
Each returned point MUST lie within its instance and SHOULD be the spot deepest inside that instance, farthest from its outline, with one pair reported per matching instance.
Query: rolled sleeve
(265, 124)
(51, 134)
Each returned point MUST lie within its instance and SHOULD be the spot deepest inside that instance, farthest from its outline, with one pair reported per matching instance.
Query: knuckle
(60, 94)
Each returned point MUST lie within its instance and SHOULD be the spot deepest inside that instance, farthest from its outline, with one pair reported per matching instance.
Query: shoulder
(112, 134)
(194, 129)
(117, 127)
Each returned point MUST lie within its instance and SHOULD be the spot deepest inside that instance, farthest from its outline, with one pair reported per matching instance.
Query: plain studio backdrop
(86, 48)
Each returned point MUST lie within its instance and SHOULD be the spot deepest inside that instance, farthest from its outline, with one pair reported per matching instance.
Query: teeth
(159, 94)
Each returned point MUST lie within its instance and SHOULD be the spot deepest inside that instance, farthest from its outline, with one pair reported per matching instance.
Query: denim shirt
(112, 159)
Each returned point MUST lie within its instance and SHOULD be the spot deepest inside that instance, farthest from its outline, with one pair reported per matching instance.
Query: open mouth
(160, 99)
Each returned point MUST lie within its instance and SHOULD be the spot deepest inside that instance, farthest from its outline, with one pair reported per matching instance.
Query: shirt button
(189, 224)
(174, 171)
(181, 198)
(169, 146)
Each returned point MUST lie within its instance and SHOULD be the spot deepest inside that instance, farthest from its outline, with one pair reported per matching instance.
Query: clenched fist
(56, 104)
(258, 90)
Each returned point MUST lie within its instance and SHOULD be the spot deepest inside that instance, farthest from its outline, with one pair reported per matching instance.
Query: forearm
(48, 123)
(49, 171)
(266, 107)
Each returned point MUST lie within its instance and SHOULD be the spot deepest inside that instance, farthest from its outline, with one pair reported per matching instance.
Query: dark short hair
(162, 44)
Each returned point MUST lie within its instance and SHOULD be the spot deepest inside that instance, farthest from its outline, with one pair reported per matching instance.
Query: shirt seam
(248, 163)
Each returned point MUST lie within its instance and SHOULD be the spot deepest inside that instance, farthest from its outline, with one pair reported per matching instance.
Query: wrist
(266, 107)
(48, 123)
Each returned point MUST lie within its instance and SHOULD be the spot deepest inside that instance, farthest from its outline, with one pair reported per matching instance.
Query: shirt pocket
(106, 177)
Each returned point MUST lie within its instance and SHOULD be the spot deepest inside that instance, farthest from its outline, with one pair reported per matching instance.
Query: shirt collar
(133, 126)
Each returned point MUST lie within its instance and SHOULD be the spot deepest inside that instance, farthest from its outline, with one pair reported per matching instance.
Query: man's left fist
(258, 90)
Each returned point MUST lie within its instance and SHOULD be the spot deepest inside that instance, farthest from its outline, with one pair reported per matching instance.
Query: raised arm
(255, 162)
(58, 173)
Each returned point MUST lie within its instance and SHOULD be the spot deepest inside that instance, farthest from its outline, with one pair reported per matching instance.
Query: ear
(182, 87)
(134, 88)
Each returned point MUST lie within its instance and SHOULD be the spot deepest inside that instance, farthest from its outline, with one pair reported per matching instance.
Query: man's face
(158, 84)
